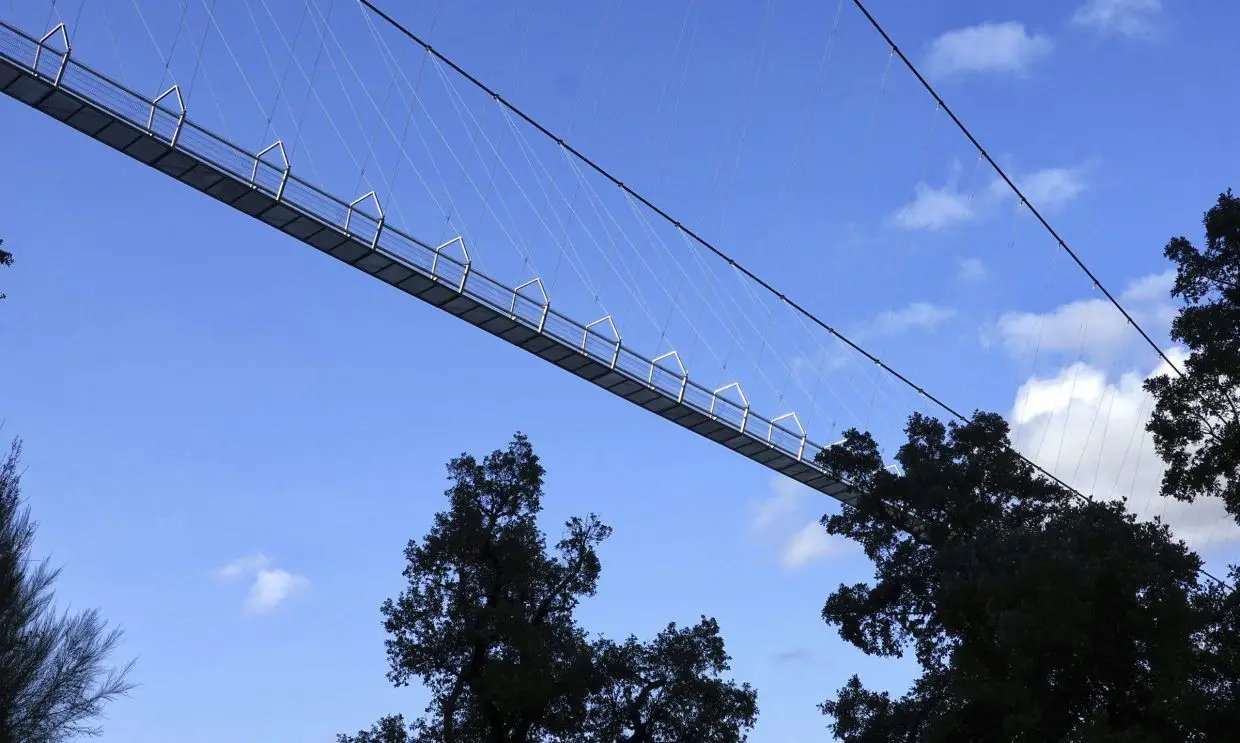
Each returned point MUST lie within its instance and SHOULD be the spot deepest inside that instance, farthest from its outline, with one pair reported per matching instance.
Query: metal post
(585, 335)
(150, 122)
(714, 397)
(770, 431)
(546, 303)
(348, 216)
(278, 145)
(464, 252)
(64, 58)
(684, 373)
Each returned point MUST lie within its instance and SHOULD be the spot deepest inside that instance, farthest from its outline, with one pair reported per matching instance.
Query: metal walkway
(158, 133)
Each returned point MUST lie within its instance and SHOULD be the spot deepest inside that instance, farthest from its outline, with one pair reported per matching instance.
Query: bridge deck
(159, 134)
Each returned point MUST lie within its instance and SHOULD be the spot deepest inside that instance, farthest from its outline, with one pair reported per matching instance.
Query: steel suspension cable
(902, 378)
(1012, 185)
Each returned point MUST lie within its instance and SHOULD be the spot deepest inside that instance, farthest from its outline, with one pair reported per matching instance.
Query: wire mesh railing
(268, 172)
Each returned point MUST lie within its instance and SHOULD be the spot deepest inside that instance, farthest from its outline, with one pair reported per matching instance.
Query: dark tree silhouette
(487, 624)
(1196, 419)
(658, 692)
(6, 259)
(391, 729)
(53, 681)
(1033, 615)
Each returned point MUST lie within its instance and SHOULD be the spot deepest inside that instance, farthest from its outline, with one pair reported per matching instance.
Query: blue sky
(230, 437)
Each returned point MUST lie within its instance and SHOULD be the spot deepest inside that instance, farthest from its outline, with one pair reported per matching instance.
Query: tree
(392, 729)
(487, 624)
(6, 259)
(1196, 418)
(657, 692)
(1034, 616)
(53, 681)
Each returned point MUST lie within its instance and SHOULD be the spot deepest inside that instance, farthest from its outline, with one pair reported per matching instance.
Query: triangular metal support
(585, 335)
(64, 56)
(714, 397)
(545, 304)
(348, 216)
(175, 90)
(278, 146)
(468, 262)
(684, 373)
(795, 419)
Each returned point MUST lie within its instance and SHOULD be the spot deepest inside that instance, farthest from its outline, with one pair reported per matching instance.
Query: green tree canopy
(1196, 419)
(54, 684)
(1034, 616)
(486, 624)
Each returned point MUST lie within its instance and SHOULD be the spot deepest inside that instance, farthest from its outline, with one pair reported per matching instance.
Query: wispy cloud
(1153, 288)
(931, 208)
(934, 208)
(1047, 189)
(970, 269)
(269, 587)
(811, 543)
(780, 518)
(916, 316)
(988, 47)
(786, 499)
(243, 566)
(1090, 327)
(1131, 18)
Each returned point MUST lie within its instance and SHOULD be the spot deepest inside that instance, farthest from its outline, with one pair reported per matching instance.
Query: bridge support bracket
(585, 336)
(546, 301)
(714, 397)
(348, 216)
(465, 265)
(770, 432)
(175, 90)
(278, 146)
(684, 373)
(64, 56)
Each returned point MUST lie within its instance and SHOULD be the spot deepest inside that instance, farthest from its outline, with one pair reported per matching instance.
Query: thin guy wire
(1012, 185)
(753, 277)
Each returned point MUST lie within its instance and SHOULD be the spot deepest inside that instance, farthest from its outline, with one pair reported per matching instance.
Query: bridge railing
(165, 118)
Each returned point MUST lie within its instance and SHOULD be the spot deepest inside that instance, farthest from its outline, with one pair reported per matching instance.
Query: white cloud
(1047, 189)
(1051, 188)
(787, 499)
(1039, 397)
(970, 269)
(1153, 288)
(1132, 18)
(832, 356)
(812, 542)
(934, 209)
(836, 355)
(780, 517)
(1085, 326)
(270, 586)
(243, 566)
(918, 315)
(1090, 432)
(988, 47)
(1092, 327)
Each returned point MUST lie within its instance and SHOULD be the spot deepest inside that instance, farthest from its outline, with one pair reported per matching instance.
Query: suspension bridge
(159, 133)
(570, 328)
